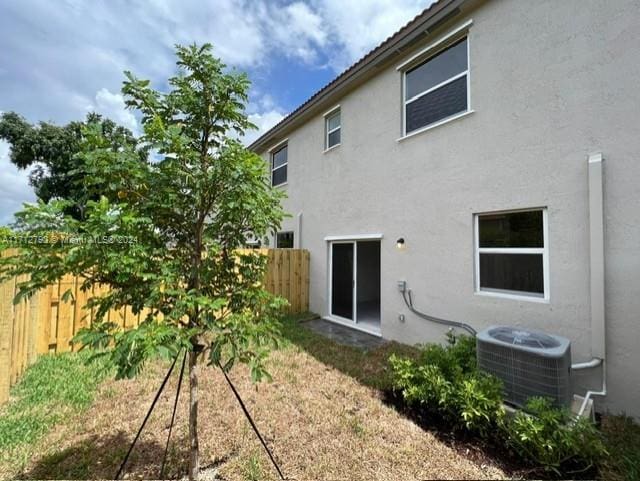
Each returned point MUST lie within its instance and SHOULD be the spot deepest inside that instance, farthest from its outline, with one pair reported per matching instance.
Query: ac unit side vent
(529, 363)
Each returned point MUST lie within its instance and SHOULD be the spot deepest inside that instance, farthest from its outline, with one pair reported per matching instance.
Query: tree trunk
(194, 460)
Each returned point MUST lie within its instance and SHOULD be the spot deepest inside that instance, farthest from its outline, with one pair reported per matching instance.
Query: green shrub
(550, 437)
(5, 236)
(446, 382)
(479, 402)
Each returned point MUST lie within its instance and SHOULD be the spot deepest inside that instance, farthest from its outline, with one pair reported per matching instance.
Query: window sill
(331, 148)
(437, 124)
(284, 184)
(514, 297)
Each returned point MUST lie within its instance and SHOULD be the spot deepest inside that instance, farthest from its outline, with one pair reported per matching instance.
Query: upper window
(438, 88)
(332, 129)
(279, 166)
(284, 240)
(511, 253)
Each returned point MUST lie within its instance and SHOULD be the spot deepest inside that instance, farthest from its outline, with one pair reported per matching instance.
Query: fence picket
(6, 335)
(45, 323)
(43, 332)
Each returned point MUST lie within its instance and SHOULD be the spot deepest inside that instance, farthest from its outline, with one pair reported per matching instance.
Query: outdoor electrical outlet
(402, 286)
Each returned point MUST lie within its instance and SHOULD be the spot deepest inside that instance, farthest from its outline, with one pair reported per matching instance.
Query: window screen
(333, 128)
(511, 252)
(437, 105)
(437, 89)
(279, 161)
(512, 272)
(518, 229)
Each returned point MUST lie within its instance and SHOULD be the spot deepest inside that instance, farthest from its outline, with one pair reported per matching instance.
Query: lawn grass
(307, 408)
(621, 433)
(319, 423)
(622, 437)
(55, 387)
(370, 367)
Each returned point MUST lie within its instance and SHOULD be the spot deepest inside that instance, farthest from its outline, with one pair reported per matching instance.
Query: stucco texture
(551, 82)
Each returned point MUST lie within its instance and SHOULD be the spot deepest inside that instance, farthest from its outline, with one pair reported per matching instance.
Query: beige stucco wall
(551, 82)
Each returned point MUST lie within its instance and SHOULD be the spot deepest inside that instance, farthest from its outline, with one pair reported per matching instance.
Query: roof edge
(436, 13)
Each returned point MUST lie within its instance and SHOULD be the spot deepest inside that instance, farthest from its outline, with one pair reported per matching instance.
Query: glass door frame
(348, 239)
(354, 282)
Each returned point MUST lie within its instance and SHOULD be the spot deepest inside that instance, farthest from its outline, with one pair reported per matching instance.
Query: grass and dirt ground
(325, 417)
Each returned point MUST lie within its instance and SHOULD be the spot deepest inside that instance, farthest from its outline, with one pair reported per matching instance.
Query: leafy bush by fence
(46, 323)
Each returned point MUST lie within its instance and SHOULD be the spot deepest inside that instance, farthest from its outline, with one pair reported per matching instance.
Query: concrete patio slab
(344, 335)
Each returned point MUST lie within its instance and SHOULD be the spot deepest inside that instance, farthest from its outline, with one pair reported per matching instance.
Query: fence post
(305, 280)
(43, 330)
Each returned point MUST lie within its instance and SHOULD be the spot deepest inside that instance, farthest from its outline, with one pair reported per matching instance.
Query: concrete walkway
(344, 335)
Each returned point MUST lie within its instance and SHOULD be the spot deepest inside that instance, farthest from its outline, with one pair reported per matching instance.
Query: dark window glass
(334, 138)
(342, 280)
(516, 229)
(437, 105)
(280, 157)
(279, 176)
(284, 240)
(443, 66)
(512, 272)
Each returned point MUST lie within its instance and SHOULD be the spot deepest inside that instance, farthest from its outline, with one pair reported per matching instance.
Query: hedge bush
(552, 438)
(446, 382)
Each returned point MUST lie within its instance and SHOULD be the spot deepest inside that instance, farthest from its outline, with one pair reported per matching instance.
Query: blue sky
(61, 59)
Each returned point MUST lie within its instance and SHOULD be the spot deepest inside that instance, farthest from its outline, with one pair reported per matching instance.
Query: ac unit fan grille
(524, 372)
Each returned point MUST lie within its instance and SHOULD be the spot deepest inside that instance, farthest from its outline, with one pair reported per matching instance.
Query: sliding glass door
(355, 282)
(342, 279)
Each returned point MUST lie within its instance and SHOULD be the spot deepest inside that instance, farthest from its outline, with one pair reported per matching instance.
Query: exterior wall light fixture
(400, 243)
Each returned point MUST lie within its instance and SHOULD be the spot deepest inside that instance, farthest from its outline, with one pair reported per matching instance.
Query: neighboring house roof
(422, 24)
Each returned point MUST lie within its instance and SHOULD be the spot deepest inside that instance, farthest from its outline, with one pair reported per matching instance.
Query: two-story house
(488, 155)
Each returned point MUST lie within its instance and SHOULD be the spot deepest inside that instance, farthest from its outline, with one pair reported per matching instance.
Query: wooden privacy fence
(46, 324)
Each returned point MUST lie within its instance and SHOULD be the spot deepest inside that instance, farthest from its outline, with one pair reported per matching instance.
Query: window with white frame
(512, 253)
(332, 129)
(437, 88)
(279, 161)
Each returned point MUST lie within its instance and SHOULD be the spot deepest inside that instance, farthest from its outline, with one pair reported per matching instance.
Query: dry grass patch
(320, 423)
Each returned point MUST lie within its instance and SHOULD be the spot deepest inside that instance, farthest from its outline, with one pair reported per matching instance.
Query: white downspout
(596, 256)
(596, 243)
(297, 238)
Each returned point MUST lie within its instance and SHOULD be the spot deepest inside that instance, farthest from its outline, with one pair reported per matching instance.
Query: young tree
(169, 240)
(51, 150)
(6, 235)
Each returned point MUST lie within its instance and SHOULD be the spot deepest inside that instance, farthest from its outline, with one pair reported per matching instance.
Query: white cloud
(297, 31)
(233, 26)
(112, 106)
(78, 48)
(264, 121)
(61, 58)
(305, 22)
(14, 186)
(358, 26)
